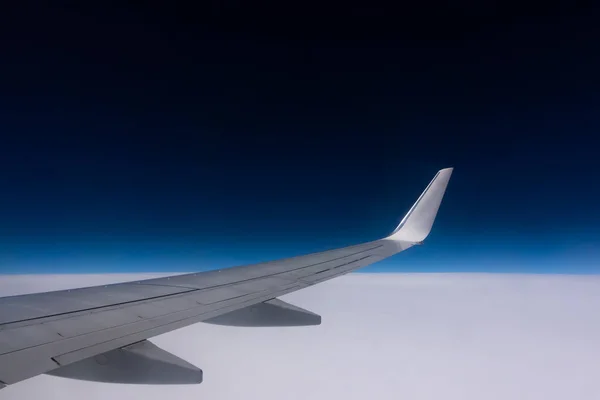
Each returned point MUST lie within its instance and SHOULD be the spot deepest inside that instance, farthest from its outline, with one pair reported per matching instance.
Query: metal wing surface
(75, 333)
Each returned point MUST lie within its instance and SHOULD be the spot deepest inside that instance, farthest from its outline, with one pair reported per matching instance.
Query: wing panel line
(117, 305)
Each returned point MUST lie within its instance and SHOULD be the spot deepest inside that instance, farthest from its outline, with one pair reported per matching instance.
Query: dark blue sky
(170, 138)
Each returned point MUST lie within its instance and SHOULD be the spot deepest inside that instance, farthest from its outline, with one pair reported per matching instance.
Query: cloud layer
(384, 336)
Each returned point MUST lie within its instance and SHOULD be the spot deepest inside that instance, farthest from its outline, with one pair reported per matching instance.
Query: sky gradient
(176, 139)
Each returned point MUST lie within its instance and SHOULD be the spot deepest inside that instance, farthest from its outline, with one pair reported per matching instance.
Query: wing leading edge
(55, 332)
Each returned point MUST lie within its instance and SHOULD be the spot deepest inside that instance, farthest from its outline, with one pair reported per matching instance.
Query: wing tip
(417, 223)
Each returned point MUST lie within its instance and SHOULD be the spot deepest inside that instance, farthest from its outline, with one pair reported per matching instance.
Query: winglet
(417, 223)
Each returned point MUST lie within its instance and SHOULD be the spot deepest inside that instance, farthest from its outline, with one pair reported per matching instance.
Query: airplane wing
(100, 333)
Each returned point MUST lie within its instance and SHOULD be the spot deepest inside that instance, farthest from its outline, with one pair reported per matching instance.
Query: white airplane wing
(100, 333)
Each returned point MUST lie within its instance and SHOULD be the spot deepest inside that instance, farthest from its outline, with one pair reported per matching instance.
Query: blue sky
(159, 145)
